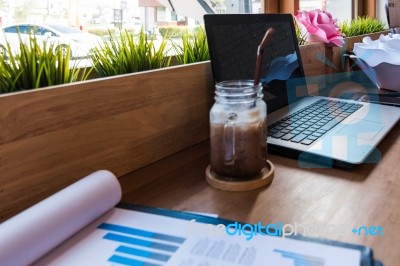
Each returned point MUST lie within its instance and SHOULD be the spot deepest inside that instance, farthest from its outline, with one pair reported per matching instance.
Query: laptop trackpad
(362, 129)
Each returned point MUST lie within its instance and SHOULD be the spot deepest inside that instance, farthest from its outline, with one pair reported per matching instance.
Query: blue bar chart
(139, 247)
(300, 259)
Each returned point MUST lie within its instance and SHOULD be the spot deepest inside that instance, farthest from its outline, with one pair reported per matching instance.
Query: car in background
(81, 43)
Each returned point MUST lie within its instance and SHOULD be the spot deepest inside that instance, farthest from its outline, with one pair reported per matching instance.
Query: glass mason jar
(238, 130)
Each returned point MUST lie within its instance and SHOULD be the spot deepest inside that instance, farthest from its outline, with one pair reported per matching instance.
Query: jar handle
(229, 138)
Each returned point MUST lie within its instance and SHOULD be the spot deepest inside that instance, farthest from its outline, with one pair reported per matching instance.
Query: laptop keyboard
(312, 122)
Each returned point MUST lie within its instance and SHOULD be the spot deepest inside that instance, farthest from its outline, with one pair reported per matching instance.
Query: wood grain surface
(52, 137)
(367, 195)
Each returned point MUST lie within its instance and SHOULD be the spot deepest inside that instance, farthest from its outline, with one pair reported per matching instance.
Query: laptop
(323, 130)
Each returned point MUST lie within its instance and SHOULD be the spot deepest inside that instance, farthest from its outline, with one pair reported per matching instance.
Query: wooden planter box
(350, 41)
(313, 57)
(51, 137)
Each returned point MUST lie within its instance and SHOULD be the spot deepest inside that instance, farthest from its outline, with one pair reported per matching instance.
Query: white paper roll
(29, 235)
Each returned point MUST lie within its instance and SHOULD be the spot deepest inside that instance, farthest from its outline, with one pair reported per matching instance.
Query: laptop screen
(233, 40)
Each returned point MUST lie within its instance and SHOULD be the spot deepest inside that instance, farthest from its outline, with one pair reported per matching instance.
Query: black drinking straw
(260, 52)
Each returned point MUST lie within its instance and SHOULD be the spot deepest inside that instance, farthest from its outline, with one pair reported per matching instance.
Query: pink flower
(320, 27)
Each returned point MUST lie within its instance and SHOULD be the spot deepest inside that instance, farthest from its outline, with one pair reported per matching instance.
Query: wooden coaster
(266, 176)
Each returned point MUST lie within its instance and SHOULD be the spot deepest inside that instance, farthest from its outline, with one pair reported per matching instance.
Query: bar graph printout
(127, 237)
(79, 226)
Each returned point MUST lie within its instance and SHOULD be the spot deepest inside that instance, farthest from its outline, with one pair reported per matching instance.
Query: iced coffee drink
(246, 158)
(238, 131)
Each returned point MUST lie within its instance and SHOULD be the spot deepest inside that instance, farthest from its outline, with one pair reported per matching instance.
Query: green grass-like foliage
(301, 36)
(192, 48)
(172, 31)
(124, 53)
(360, 26)
(37, 65)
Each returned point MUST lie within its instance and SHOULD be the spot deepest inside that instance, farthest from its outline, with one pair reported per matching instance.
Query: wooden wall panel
(361, 7)
(271, 6)
(288, 6)
(369, 8)
(281, 6)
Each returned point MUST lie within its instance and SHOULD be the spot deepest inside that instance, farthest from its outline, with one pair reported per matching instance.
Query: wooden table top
(367, 195)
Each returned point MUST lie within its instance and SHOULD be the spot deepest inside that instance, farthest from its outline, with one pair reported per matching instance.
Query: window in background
(340, 9)
(381, 12)
(102, 14)
(162, 14)
(242, 6)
